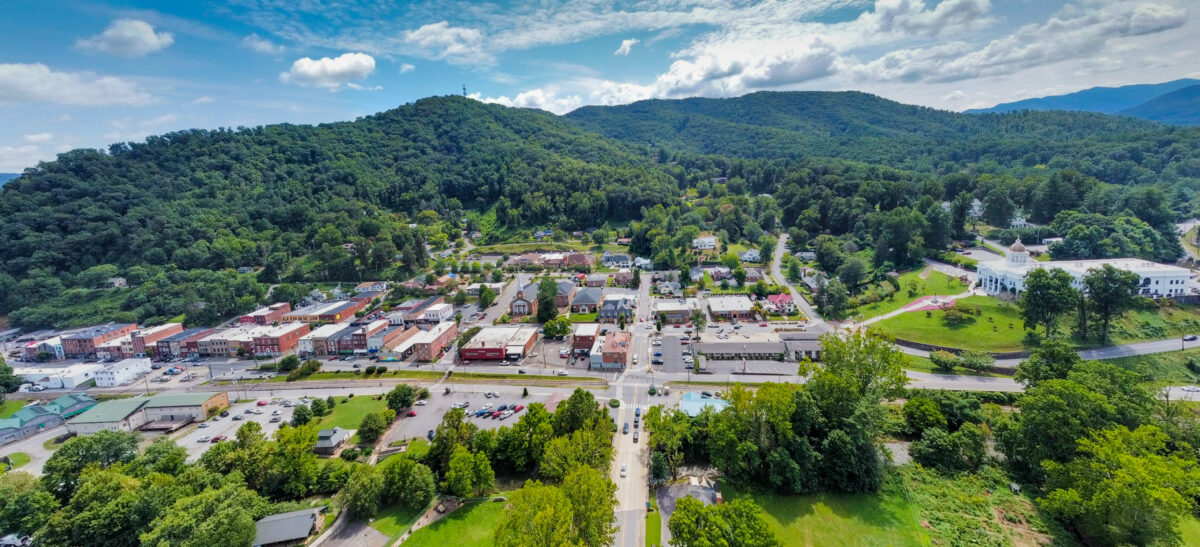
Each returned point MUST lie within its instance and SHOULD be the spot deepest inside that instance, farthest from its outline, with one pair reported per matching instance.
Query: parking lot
(429, 416)
(189, 437)
(672, 351)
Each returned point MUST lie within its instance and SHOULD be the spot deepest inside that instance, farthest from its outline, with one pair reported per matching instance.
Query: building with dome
(1008, 276)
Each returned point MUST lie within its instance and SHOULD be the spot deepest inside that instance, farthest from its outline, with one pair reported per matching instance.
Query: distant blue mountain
(1106, 100)
(5, 177)
(1179, 107)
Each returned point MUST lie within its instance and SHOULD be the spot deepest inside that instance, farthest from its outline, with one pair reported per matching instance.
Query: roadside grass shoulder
(18, 459)
(653, 524)
(470, 526)
(393, 521)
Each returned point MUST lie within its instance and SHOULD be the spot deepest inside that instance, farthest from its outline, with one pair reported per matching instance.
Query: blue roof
(693, 404)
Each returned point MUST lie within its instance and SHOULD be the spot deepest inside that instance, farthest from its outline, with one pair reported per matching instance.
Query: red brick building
(148, 337)
(84, 342)
(266, 316)
(500, 343)
(429, 344)
(280, 340)
(584, 337)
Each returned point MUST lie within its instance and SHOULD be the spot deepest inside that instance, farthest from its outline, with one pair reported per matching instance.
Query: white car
(204, 439)
(562, 373)
(1190, 388)
(203, 425)
(622, 470)
(421, 402)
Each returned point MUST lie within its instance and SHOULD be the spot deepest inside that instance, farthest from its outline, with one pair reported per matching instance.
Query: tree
(1110, 292)
(301, 416)
(575, 412)
(468, 473)
(361, 495)
(319, 407)
(401, 397)
(1052, 359)
(832, 298)
(454, 430)
(372, 426)
(898, 237)
(766, 247)
(559, 326)
(1124, 488)
(998, 208)
(60, 474)
(406, 482)
(852, 272)
(486, 296)
(921, 414)
(220, 515)
(794, 272)
(868, 361)
(1054, 413)
(738, 523)
(289, 363)
(593, 502)
(537, 515)
(547, 309)
(589, 446)
(1048, 295)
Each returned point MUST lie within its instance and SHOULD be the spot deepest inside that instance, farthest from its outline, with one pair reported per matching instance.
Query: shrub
(944, 360)
(614, 403)
(380, 369)
(369, 370)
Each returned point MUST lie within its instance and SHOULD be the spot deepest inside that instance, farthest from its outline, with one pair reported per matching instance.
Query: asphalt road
(633, 456)
(776, 263)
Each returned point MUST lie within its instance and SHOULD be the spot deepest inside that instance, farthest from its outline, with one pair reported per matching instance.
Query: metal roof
(110, 411)
(290, 526)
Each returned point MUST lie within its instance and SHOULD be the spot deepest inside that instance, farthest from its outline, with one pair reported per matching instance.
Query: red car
(412, 413)
(519, 408)
(261, 403)
(676, 325)
(689, 325)
(219, 438)
(762, 324)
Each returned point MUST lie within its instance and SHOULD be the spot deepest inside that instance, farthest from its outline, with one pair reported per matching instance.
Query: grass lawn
(50, 444)
(1189, 529)
(472, 525)
(394, 520)
(1155, 324)
(653, 524)
(418, 448)
(10, 407)
(18, 459)
(936, 283)
(583, 317)
(886, 518)
(1002, 333)
(1169, 367)
(349, 414)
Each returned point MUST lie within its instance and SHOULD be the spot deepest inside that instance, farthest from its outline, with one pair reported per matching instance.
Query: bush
(944, 360)
(380, 369)
(614, 403)
(369, 370)
(921, 414)
(305, 370)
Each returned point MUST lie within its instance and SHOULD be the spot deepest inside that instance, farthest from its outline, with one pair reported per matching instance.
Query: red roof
(780, 299)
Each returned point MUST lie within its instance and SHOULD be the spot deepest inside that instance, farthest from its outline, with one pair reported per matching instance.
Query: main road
(776, 263)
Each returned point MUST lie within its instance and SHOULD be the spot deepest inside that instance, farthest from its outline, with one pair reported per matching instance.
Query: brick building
(266, 316)
(84, 342)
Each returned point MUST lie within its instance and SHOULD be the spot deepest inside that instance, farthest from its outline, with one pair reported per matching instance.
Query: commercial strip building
(794, 346)
(673, 311)
(68, 377)
(1008, 275)
(34, 418)
(400, 347)
(730, 307)
(437, 313)
(122, 372)
(326, 312)
(266, 316)
(279, 340)
(610, 352)
(147, 337)
(500, 343)
(157, 412)
(428, 345)
(83, 343)
(182, 344)
(584, 337)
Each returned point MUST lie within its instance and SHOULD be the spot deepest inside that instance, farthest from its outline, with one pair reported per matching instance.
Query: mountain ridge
(1105, 100)
(1179, 107)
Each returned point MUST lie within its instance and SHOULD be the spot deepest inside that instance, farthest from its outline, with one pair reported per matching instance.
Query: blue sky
(86, 74)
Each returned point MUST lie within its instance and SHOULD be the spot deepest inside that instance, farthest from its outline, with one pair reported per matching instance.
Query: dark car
(1190, 338)
(502, 408)
(635, 436)
(224, 413)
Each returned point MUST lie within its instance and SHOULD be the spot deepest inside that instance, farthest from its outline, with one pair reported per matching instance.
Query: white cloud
(33, 83)
(956, 95)
(127, 38)
(329, 73)
(626, 46)
(545, 99)
(38, 138)
(201, 100)
(262, 45)
(457, 45)
(406, 67)
(1072, 33)
(357, 87)
(14, 159)
(160, 120)
(63, 118)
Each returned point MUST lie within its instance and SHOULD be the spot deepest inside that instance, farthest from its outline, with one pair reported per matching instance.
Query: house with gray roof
(330, 440)
(587, 300)
(615, 306)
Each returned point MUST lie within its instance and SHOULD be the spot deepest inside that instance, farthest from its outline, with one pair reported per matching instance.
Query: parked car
(1190, 338)
(622, 470)
(521, 371)
(224, 413)
(239, 417)
(261, 403)
(635, 436)
(203, 425)
(518, 408)
(204, 439)
(219, 438)
(421, 402)
(625, 430)
(276, 419)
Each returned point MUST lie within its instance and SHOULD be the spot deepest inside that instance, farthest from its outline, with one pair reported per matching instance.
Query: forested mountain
(1179, 107)
(866, 128)
(362, 199)
(1107, 100)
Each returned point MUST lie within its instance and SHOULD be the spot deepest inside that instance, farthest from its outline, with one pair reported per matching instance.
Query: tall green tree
(61, 472)
(361, 495)
(1048, 295)
(1110, 292)
(738, 523)
(1053, 359)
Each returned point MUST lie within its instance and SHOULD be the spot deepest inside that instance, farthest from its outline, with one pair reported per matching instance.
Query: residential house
(330, 440)
(579, 261)
(782, 303)
(643, 263)
(525, 260)
(669, 288)
(614, 306)
(717, 273)
(596, 280)
(372, 286)
(753, 275)
(566, 289)
(623, 241)
(704, 243)
(587, 300)
(751, 255)
(615, 260)
(291, 528)
(623, 277)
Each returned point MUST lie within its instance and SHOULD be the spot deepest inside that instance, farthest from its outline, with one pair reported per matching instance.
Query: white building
(1009, 275)
(438, 313)
(705, 243)
(68, 377)
(122, 372)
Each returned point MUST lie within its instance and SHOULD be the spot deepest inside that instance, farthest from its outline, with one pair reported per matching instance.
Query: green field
(394, 520)
(349, 414)
(583, 317)
(1171, 367)
(1003, 332)
(469, 526)
(880, 519)
(18, 459)
(935, 283)
(10, 407)
(1155, 324)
